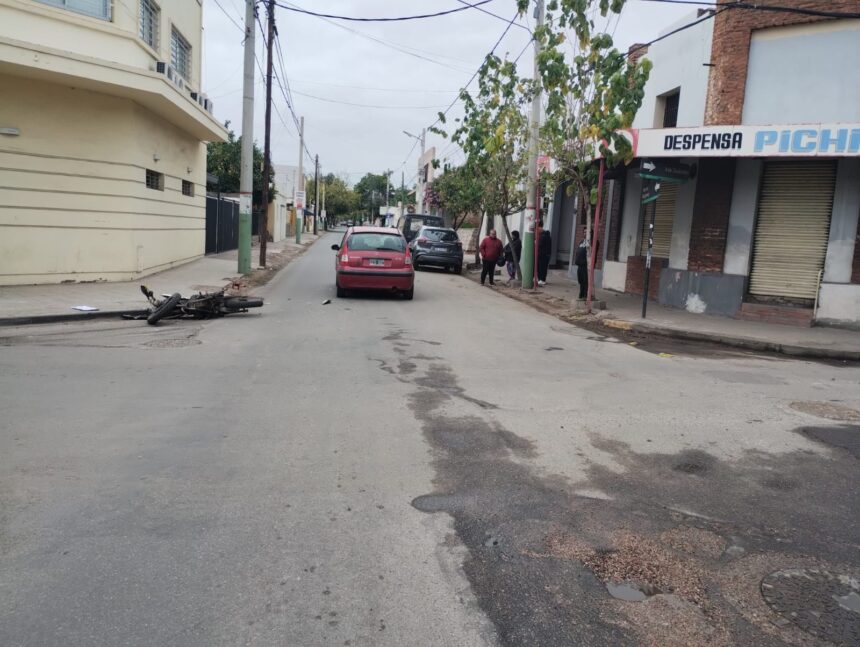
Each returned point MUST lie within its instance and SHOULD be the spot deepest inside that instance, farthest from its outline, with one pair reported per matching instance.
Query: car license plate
(377, 261)
(440, 249)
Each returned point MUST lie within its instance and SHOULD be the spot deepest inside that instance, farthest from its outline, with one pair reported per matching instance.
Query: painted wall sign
(807, 140)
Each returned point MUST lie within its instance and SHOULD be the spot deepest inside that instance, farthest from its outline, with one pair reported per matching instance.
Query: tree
(372, 190)
(589, 100)
(457, 192)
(494, 134)
(224, 160)
(340, 199)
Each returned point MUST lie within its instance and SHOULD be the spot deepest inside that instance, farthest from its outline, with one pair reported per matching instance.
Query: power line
(363, 105)
(819, 13)
(385, 19)
(374, 89)
(494, 15)
(229, 17)
(403, 49)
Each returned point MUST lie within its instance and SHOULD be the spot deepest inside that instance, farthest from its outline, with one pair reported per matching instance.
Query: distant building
(103, 125)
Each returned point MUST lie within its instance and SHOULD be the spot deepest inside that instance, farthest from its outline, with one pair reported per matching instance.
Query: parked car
(439, 247)
(410, 224)
(374, 258)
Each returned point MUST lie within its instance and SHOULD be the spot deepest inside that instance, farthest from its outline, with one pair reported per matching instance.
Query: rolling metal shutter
(792, 228)
(663, 222)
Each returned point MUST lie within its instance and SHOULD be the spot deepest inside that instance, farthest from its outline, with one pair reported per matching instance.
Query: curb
(736, 342)
(62, 318)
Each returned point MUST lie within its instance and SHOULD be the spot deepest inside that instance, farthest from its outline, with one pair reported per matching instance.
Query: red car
(374, 258)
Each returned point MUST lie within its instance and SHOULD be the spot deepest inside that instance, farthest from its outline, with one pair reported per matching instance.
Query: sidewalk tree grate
(823, 603)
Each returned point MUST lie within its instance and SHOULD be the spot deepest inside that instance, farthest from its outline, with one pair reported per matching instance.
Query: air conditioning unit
(195, 96)
(175, 77)
(208, 105)
(161, 67)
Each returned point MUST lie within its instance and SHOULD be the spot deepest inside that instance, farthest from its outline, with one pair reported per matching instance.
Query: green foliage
(457, 192)
(340, 199)
(591, 97)
(224, 159)
(372, 188)
(493, 134)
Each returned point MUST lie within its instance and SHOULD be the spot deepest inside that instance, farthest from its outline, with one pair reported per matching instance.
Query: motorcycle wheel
(164, 309)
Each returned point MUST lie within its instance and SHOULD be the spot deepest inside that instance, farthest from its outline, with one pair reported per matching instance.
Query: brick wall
(635, 283)
(710, 225)
(731, 44)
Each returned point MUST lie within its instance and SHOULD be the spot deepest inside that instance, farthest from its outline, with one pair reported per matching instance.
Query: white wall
(839, 304)
(804, 74)
(843, 223)
(679, 250)
(628, 242)
(742, 216)
(678, 63)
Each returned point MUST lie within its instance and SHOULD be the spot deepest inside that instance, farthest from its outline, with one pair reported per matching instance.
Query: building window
(154, 180)
(180, 54)
(670, 109)
(188, 188)
(150, 19)
(94, 8)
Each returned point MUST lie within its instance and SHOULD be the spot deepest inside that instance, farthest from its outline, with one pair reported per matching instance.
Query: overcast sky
(340, 62)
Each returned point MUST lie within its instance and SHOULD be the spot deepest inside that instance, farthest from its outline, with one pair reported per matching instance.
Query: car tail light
(344, 258)
(408, 259)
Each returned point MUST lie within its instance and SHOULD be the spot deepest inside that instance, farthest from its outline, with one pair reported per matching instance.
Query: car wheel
(408, 294)
(341, 293)
(458, 269)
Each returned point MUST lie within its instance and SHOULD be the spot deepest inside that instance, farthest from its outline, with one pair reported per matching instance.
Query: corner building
(766, 107)
(103, 127)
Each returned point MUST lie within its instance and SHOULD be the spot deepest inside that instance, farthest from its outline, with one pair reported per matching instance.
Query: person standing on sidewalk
(581, 262)
(544, 252)
(491, 250)
(513, 253)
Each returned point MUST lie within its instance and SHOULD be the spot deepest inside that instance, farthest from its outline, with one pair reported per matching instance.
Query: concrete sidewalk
(623, 312)
(26, 304)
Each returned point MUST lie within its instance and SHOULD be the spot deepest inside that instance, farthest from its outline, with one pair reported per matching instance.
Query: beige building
(102, 138)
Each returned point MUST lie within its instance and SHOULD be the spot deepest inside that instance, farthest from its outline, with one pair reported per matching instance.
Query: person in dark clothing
(491, 251)
(544, 252)
(513, 254)
(581, 262)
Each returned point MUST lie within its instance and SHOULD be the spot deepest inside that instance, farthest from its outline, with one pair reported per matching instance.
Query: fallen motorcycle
(203, 305)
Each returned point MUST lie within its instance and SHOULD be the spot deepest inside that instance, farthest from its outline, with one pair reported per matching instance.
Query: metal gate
(792, 228)
(663, 221)
(222, 225)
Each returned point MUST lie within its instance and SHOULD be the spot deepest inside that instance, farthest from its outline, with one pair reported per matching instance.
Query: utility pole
(267, 148)
(325, 215)
(527, 263)
(301, 184)
(316, 189)
(420, 191)
(246, 175)
(402, 193)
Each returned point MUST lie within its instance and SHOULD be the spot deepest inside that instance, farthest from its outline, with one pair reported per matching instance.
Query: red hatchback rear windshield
(373, 242)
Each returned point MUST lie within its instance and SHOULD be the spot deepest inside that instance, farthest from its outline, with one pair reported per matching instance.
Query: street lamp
(419, 190)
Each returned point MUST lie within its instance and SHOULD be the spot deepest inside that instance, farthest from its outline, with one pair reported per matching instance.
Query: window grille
(154, 180)
(150, 16)
(180, 54)
(95, 8)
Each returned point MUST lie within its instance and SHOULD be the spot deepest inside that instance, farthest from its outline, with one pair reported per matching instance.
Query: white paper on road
(84, 308)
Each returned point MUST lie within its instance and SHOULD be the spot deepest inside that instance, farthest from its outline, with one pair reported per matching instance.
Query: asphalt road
(455, 470)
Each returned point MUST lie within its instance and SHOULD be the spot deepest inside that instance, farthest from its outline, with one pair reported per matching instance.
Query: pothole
(822, 603)
(827, 410)
(630, 591)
